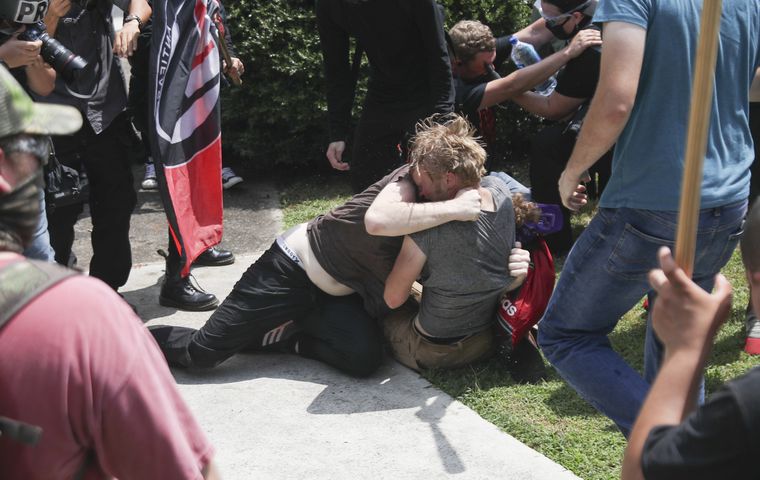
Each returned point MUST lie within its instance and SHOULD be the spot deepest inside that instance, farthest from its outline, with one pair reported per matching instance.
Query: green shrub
(279, 116)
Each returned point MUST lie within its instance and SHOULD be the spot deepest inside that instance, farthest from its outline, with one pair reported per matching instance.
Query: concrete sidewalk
(277, 416)
(280, 416)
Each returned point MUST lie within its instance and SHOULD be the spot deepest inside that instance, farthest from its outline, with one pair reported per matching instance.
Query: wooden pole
(696, 138)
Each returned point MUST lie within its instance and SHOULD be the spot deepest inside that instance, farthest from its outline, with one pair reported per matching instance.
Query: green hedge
(278, 117)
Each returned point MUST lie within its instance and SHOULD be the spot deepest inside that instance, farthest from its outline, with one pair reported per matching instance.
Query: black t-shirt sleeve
(713, 442)
(469, 96)
(579, 77)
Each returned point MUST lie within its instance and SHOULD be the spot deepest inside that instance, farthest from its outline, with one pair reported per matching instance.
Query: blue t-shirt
(648, 162)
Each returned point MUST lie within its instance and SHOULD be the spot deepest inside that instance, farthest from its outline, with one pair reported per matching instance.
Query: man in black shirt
(100, 147)
(576, 84)
(410, 78)
(720, 439)
(476, 57)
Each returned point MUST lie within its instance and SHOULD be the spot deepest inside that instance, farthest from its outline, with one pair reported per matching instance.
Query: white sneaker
(229, 178)
(149, 181)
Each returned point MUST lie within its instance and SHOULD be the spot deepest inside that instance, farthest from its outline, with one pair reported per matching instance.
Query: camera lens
(63, 60)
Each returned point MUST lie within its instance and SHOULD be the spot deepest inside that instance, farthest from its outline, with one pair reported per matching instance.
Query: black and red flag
(187, 144)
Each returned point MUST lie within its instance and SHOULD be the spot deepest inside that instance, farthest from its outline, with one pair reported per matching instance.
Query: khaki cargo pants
(416, 352)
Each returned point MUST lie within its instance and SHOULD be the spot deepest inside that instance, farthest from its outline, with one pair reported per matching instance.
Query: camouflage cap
(19, 114)
(23, 11)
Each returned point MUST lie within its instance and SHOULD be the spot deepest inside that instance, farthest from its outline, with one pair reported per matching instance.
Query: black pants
(380, 142)
(273, 305)
(104, 157)
(550, 151)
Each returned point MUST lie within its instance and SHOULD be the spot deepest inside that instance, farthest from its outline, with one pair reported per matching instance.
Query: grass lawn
(549, 417)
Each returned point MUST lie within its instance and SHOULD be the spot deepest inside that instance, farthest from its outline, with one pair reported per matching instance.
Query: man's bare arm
(553, 107)
(394, 212)
(406, 270)
(536, 34)
(503, 89)
(125, 40)
(622, 57)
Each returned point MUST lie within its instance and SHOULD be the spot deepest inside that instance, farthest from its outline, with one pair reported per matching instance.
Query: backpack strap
(20, 283)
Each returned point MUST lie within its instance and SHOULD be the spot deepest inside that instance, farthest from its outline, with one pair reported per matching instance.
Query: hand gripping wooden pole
(696, 138)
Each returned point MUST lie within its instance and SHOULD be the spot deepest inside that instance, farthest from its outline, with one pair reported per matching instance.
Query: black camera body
(63, 60)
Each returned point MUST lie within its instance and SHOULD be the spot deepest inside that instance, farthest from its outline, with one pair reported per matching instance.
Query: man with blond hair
(462, 265)
(318, 290)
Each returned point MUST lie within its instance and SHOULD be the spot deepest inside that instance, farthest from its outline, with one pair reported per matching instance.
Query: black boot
(215, 257)
(180, 292)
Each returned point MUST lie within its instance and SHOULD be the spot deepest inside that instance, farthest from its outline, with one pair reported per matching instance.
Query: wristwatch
(136, 18)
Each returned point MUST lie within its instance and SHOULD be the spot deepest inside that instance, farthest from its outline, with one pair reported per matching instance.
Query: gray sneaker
(752, 345)
(230, 178)
(149, 181)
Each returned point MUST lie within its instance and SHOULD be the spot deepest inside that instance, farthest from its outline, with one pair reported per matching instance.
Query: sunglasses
(559, 20)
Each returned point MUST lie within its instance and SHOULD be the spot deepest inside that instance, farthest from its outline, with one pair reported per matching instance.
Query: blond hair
(447, 143)
(470, 37)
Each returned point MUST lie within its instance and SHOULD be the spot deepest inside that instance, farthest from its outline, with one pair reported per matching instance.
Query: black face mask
(559, 32)
(19, 214)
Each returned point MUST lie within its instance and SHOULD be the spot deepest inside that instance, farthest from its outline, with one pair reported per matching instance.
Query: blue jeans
(40, 248)
(604, 276)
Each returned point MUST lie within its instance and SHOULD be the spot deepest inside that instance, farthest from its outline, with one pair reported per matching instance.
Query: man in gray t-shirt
(463, 267)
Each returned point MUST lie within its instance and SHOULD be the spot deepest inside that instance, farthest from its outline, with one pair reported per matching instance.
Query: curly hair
(525, 211)
(470, 37)
(447, 143)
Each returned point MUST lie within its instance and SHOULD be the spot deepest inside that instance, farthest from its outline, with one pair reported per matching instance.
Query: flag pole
(696, 138)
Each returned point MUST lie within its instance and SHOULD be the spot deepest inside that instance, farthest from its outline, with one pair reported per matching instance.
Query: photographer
(101, 147)
(27, 66)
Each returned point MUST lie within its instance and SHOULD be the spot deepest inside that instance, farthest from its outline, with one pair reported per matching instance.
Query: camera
(63, 60)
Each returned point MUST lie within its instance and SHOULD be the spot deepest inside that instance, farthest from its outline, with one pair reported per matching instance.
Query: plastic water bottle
(523, 54)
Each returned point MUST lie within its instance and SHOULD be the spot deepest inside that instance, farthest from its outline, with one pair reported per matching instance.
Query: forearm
(41, 79)
(533, 103)
(406, 270)
(51, 23)
(520, 81)
(404, 218)
(141, 9)
(670, 399)
(536, 33)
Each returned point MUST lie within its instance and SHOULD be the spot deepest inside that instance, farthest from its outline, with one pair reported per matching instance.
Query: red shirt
(79, 363)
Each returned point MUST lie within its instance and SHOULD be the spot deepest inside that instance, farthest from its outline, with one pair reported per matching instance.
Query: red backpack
(521, 309)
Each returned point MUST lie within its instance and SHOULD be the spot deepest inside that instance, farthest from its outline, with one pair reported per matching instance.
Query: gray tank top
(467, 268)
